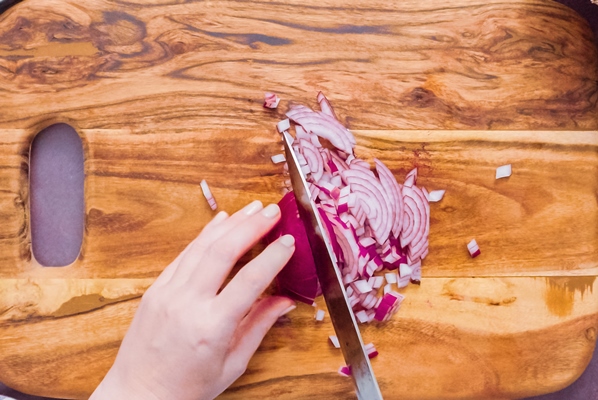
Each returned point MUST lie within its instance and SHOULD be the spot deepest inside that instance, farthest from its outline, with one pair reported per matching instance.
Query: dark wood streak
(341, 29)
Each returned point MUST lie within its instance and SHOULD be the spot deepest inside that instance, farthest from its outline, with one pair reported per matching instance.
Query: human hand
(187, 341)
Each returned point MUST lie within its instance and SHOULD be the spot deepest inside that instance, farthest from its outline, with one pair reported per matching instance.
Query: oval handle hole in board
(56, 179)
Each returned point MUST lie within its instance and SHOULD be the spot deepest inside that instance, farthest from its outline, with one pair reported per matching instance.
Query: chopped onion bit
(320, 315)
(370, 350)
(271, 100)
(435, 195)
(344, 371)
(334, 341)
(207, 193)
(473, 248)
(283, 125)
(278, 158)
(504, 171)
(378, 228)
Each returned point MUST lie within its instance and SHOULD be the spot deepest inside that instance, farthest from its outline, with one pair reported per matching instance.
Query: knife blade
(330, 278)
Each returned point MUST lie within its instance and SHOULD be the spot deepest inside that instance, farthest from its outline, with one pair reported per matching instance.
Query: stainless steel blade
(333, 289)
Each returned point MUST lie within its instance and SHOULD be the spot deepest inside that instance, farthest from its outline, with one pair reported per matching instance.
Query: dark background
(586, 387)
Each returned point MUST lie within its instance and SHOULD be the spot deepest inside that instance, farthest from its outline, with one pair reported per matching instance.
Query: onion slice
(325, 106)
(207, 193)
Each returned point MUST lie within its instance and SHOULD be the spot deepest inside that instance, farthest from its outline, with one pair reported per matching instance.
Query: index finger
(219, 258)
(242, 291)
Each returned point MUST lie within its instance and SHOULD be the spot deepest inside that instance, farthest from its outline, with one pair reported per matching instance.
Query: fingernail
(253, 208)
(288, 240)
(271, 211)
(288, 310)
(221, 216)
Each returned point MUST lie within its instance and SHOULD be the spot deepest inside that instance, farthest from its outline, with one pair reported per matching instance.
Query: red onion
(473, 248)
(373, 222)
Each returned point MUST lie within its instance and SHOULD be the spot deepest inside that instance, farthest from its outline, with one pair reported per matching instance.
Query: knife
(330, 279)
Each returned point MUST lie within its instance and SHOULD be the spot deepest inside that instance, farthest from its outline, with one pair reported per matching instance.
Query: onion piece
(473, 248)
(335, 342)
(391, 277)
(361, 316)
(325, 106)
(320, 315)
(344, 371)
(271, 100)
(504, 171)
(387, 288)
(394, 191)
(362, 286)
(278, 158)
(435, 195)
(283, 125)
(370, 350)
(411, 178)
(207, 193)
(324, 126)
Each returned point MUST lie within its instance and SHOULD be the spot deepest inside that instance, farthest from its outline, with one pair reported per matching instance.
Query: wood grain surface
(169, 92)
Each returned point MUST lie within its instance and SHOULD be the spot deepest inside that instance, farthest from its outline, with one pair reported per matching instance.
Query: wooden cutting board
(166, 94)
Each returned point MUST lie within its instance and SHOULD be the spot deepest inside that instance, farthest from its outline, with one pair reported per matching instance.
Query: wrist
(116, 386)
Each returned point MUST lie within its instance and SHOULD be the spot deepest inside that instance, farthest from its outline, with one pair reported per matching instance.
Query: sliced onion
(320, 315)
(325, 106)
(394, 191)
(207, 193)
(411, 178)
(373, 222)
(324, 126)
